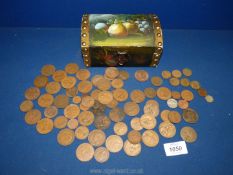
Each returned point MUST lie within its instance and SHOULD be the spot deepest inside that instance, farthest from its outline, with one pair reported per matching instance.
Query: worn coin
(137, 96)
(65, 137)
(164, 115)
(174, 81)
(183, 104)
(141, 75)
(50, 111)
(95, 79)
(132, 149)
(150, 138)
(209, 98)
(134, 136)
(187, 72)
(190, 115)
(95, 94)
(172, 103)
(96, 137)
(151, 107)
(120, 95)
(135, 124)
(176, 73)
(71, 111)
(59, 75)
(82, 132)
(68, 82)
(103, 84)
(44, 126)
(167, 129)
(41, 81)
(195, 85)
(72, 123)
(117, 114)
(45, 100)
(187, 95)
(26, 106)
(102, 122)
(76, 99)
(111, 72)
(83, 74)
(156, 81)
(188, 134)
(124, 75)
(131, 108)
(166, 74)
(84, 86)
(32, 93)
(148, 121)
(85, 152)
(87, 101)
(120, 128)
(48, 70)
(72, 92)
(61, 101)
(117, 83)
(174, 117)
(101, 154)
(71, 68)
(112, 104)
(202, 92)
(114, 143)
(32, 116)
(105, 97)
(53, 87)
(60, 122)
(176, 95)
(150, 92)
(185, 82)
(86, 118)
(163, 93)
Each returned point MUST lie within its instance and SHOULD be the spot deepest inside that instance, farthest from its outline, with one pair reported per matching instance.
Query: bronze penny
(48, 70)
(188, 134)
(164, 115)
(150, 92)
(71, 111)
(117, 83)
(105, 97)
(53, 87)
(176, 73)
(32, 116)
(148, 121)
(134, 137)
(176, 95)
(111, 72)
(114, 143)
(50, 111)
(156, 81)
(132, 150)
(82, 132)
(103, 84)
(174, 117)
(117, 114)
(187, 95)
(41, 81)
(166, 74)
(120, 128)
(60, 122)
(86, 118)
(150, 138)
(72, 92)
(202, 92)
(163, 93)
(59, 75)
(87, 101)
(124, 75)
(174, 81)
(96, 78)
(65, 137)
(183, 104)
(96, 137)
(26, 106)
(71, 68)
(112, 104)
(102, 122)
(151, 107)
(185, 82)
(167, 129)
(83, 74)
(187, 72)
(61, 101)
(141, 75)
(137, 96)
(72, 123)
(190, 115)
(135, 124)
(32, 93)
(84, 86)
(101, 154)
(76, 99)
(195, 85)
(44, 126)
(85, 152)
(68, 82)
(120, 95)
(45, 100)
(131, 108)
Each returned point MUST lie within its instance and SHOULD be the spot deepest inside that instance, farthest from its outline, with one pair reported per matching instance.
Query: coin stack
(85, 101)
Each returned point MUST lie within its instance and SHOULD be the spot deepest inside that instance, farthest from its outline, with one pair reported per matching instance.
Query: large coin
(114, 143)
(88, 101)
(190, 115)
(120, 95)
(71, 111)
(117, 114)
(117, 83)
(188, 134)
(120, 128)
(111, 72)
(82, 132)
(141, 75)
(134, 137)
(48, 70)
(71, 68)
(41, 81)
(112, 104)
(150, 138)
(72, 92)
(132, 149)
(135, 124)
(137, 96)
(95, 79)
(131, 108)
(53, 87)
(156, 81)
(86, 118)
(150, 92)
(103, 84)
(83, 74)
(85, 152)
(61, 101)
(45, 100)
(26, 106)
(148, 121)
(68, 82)
(96, 137)
(44, 126)
(174, 117)
(167, 129)
(187, 95)
(50, 111)
(32, 116)
(59, 75)
(101, 154)
(151, 107)
(84, 86)
(65, 137)
(163, 93)
(102, 122)
(105, 97)
(60, 122)
(32, 93)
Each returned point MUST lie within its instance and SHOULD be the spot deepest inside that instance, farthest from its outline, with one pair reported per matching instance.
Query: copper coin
(102, 122)
(71, 111)
(117, 114)
(188, 134)
(112, 104)
(164, 115)
(167, 129)
(32, 93)
(156, 81)
(105, 97)
(137, 96)
(150, 92)
(152, 108)
(65, 137)
(68, 82)
(195, 85)
(185, 82)
(103, 84)
(141, 75)
(209, 98)
(88, 101)
(44, 126)
(166, 74)
(72, 92)
(131, 108)
(86, 118)
(53, 87)
(111, 72)
(61, 101)
(83, 74)
(84, 86)
(32, 116)
(96, 137)
(134, 137)
(76, 99)
(163, 93)
(132, 149)
(174, 117)
(190, 115)
(187, 95)
(176, 73)
(82, 132)
(117, 83)
(50, 111)
(114, 143)
(101, 154)
(96, 78)
(72, 123)
(41, 81)
(148, 121)
(120, 128)
(85, 152)
(174, 81)
(59, 75)
(183, 104)
(48, 70)
(124, 75)
(150, 138)
(60, 122)
(120, 95)
(71, 68)
(26, 106)
(45, 100)
(95, 93)
(176, 95)
(135, 124)
(187, 72)
(202, 92)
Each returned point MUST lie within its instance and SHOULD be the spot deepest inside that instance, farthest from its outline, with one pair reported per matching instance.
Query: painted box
(121, 40)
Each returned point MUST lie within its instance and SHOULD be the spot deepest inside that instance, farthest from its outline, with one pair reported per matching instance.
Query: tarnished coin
(32, 116)
(163, 93)
(96, 137)
(117, 114)
(61, 101)
(86, 118)
(26, 106)
(190, 115)
(209, 98)
(117, 83)
(71, 111)
(68, 82)
(120, 128)
(102, 122)
(156, 81)
(32, 93)
(148, 121)
(114, 143)
(172, 103)
(41, 81)
(72, 92)
(82, 132)
(53, 87)
(132, 149)
(65, 137)
(187, 72)
(137, 96)
(202, 92)
(124, 75)
(176, 95)
(48, 70)
(45, 100)
(185, 82)
(103, 84)
(72, 123)
(87, 101)
(120, 95)
(44, 126)
(131, 108)
(188, 134)
(76, 99)
(71, 68)
(187, 95)
(95, 94)
(183, 104)
(174, 117)
(112, 104)
(166, 74)
(50, 111)
(84, 86)
(150, 138)
(85, 152)
(135, 124)
(134, 137)
(59, 75)
(150, 92)
(111, 72)
(83, 74)
(164, 115)
(60, 122)
(141, 75)
(152, 108)
(176, 73)
(101, 154)
(105, 97)
(195, 85)
(174, 81)
(96, 78)
(167, 129)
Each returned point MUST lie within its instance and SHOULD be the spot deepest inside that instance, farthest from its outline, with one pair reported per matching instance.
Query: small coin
(148, 121)
(164, 115)
(87, 101)
(45, 100)
(156, 81)
(72, 123)
(48, 70)
(132, 149)
(59, 75)
(174, 117)
(96, 78)
(166, 74)
(188, 134)
(185, 82)
(141, 75)
(72, 92)
(41, 81)
(102, 122)
(50, 111)
(83, 74)
(84, 86)
(32, 93)
(187, 95)
(190, 115)
(134, 137)
(32, 116)
(120, 128)
(120, 95)
(53, 87)
(124, 75)
(176, 95)
(114, 143)
(112, 104)
(111, 72)
(167, 129)
(117, 114)
(61, 101)
(96, 137)
(101, 154)
(135, 124)
(163, 93)
(117, 83)
(202, 92)
(183, 104)
(65, 137)
(176, 73)
(68, 82)
(209, 98)
(187, 72)
(85, 152)
(60, 122)
(137, 96)
(105, 97)
(152, 108)
(103, 84)
(150, 138)
(82, 132)
(195, 85)
(172, 103)
(26, 106)
(71, 111)
(76, 99)
(71, 68)
(86, 118)
(44, 126)
(174, 81)
(150, 92)
(131, 108)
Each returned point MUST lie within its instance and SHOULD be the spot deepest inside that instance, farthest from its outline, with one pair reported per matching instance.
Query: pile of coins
(72, 103)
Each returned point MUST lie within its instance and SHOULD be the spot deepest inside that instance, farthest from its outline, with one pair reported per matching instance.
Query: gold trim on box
(158, 36)
(85, 40)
